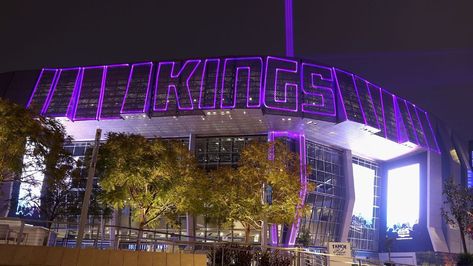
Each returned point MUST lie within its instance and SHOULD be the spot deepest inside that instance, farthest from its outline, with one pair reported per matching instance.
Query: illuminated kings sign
(279, 86)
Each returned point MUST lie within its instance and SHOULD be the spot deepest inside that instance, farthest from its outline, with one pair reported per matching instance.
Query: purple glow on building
(102, 91)
(412, 121)
(171, 81)
(80, 93)
(203, 84)
(35, 97)
(33, 94)
(303, 180)
(61, 87)
(289, 71)
(325, 93)
(124, 109)
(368, 88)
(289, 28)
(244, 63)
(108, 90)
(57, 75)
(246, 82)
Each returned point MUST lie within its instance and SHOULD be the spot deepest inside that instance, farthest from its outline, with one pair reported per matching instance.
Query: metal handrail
(175, 242)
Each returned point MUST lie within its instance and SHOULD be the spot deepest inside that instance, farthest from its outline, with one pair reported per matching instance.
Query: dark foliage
(465, 259)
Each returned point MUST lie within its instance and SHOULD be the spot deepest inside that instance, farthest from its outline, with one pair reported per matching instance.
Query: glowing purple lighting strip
(203, 85)
(421, 126)
(248, 88)
(289, 28)
(399, 122)
(306, 106)
(303, 190)
(436, 148)
(356, 91)
(412, 121)
(72, 101)
(334, 72)
(102, 91)
(368, 84)
(72, 108)
(79, 91)
(57, 74)
(197, 63)
(37, 85)
(359, 100)
(267, 104)
(35, 88)
(146, 101)
(382, 108)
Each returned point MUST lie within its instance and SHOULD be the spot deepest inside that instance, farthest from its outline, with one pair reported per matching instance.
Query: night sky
(421, 50)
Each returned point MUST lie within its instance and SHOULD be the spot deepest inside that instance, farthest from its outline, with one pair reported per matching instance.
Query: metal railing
(102, 236)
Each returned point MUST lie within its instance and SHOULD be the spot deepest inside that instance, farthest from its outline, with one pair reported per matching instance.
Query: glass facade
(323, 222)
(79, 150)
(212, 152)
(364, 230)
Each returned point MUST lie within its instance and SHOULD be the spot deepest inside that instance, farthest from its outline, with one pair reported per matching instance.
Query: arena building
(378, 161)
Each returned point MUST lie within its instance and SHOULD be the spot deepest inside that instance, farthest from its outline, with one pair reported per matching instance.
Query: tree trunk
(462, 235)
(50, 224)
(140, 235)
(247, 234)
(117, 214)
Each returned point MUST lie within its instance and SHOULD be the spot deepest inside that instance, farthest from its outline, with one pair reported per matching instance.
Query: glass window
(364, 227)
(323, 221)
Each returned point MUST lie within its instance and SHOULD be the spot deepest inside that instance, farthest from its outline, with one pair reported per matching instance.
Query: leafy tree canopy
(458, 202)
(146, 174)
(227, 194)
(45, 137)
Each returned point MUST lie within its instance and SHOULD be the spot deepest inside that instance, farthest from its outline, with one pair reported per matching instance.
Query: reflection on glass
(364, 195)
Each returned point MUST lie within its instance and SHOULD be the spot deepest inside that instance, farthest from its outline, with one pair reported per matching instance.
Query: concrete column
(349, 195)
(434, 202)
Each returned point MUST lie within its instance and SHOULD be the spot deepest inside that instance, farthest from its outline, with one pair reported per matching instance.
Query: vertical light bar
(102, 92)
(289, 28)
(124, 109)
(274, 227)
(303, 191)
(72, 107)
(35, 88)
(42, 89)
(51, 91)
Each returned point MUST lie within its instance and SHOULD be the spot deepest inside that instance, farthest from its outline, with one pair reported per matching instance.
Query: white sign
(341, 253)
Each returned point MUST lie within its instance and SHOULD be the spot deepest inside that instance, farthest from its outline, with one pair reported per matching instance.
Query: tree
(458, 204)
(19, 126)
(209, 194)
(236, 194)
(33, 149)
(145, 174)
(273, 164)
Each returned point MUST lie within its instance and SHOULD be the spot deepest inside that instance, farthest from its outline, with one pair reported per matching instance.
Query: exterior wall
(350, 195)
(58, 256)
(435, 221)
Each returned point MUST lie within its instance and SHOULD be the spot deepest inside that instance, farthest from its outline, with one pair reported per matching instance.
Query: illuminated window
(364, 226)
